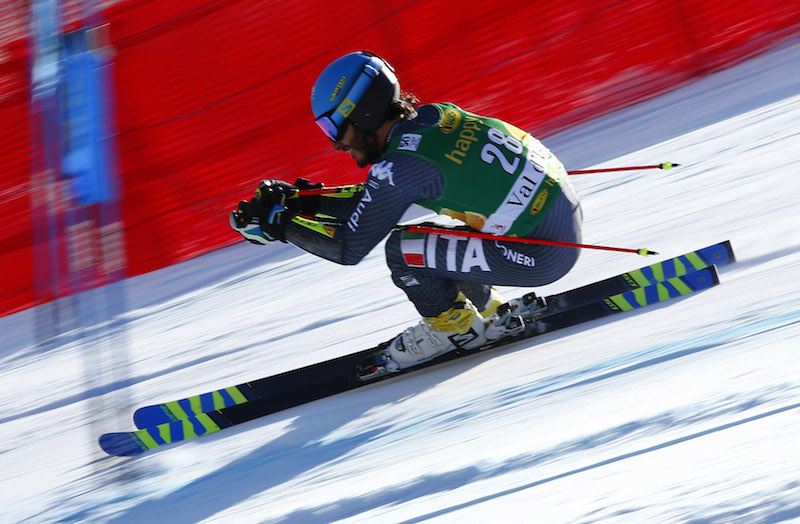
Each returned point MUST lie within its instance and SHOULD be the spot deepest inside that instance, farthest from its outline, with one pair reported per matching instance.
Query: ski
(719, 254)
(334, 376)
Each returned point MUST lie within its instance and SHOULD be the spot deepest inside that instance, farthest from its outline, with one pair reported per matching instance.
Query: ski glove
(250, 231)
(275, 192)
(287, 195)
(259, 223)
(264, 218)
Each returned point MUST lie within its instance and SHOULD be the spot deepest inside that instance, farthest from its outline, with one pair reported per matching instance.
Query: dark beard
(364, 163)
(370, 155)
(368, 144)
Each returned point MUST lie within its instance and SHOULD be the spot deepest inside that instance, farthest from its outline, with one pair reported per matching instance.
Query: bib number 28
(491, 150)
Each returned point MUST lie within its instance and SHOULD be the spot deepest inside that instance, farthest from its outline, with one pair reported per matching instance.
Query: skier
(490, 175)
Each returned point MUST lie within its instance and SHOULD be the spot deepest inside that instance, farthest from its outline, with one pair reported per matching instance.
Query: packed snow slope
(688, 412)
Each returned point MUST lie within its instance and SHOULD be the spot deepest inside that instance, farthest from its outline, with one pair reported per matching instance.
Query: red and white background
(212, 96)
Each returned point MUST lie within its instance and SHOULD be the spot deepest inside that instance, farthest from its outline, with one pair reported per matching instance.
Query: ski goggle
(332, 122)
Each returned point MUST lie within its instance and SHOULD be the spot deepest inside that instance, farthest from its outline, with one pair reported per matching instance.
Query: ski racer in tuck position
(491, 175)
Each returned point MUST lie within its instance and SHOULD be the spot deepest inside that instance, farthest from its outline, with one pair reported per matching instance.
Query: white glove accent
(251, 232)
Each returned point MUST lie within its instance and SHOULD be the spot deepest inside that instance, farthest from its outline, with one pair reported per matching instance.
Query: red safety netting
(214, 95)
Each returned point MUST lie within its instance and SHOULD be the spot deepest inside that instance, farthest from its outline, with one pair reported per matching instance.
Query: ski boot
(459, 327)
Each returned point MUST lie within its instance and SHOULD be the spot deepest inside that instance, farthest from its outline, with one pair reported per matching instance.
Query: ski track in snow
(686, 412)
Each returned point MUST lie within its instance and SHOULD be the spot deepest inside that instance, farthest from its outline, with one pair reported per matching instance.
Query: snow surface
(684, 413)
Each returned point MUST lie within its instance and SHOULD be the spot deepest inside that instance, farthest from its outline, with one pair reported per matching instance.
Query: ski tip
(140, 418)
(150, 416)
(703, 278)
(668, 165)
(646, 252)
(120, 444)
(729, 248)
(713, 270)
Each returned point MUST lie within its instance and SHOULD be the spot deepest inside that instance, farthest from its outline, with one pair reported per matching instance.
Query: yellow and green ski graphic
(328, 378)
(635, 281)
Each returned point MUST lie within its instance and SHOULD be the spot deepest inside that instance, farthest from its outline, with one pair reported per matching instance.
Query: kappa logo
(383, 171)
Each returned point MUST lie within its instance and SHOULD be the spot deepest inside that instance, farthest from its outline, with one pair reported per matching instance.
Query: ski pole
(666, 165)
(344, 190)
(477, 234)
(356, 188)
(488, 236)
